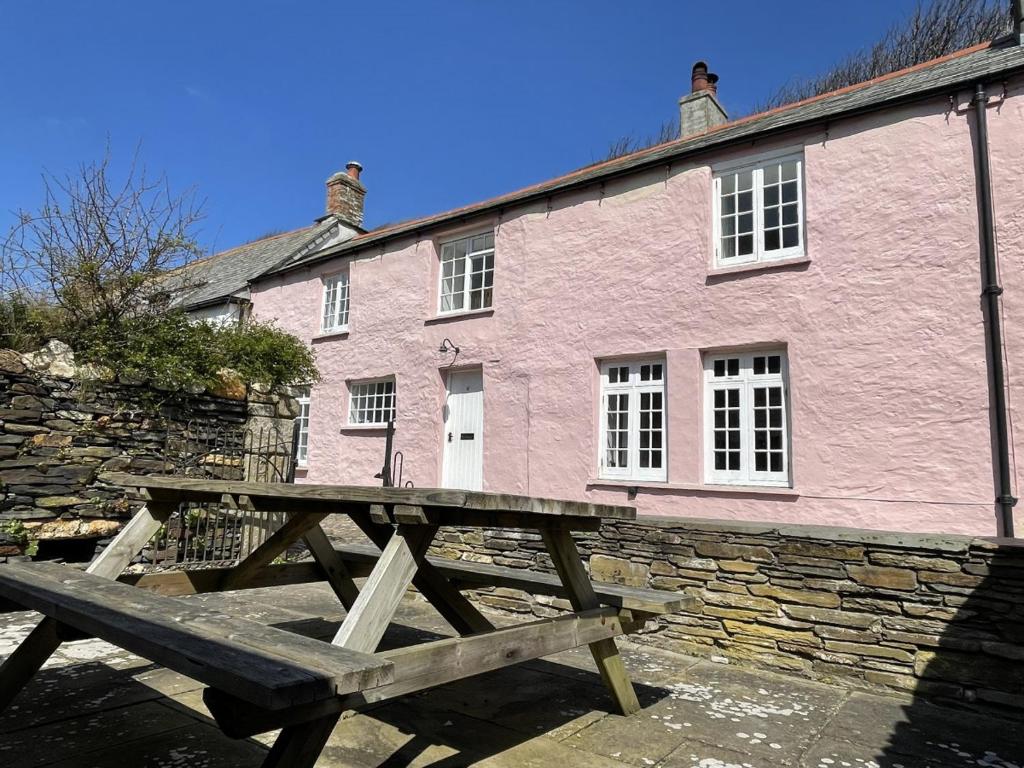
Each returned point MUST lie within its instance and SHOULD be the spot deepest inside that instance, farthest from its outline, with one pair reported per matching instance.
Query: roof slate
(227, 274)
(981, 62)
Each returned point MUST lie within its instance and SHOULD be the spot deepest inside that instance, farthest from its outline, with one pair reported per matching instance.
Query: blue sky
(255, 104)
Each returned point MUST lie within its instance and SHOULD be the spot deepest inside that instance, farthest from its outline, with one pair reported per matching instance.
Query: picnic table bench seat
(265, 666)
(360, 558)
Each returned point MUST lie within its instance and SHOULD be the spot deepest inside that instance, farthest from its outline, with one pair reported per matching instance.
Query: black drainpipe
(990, 293)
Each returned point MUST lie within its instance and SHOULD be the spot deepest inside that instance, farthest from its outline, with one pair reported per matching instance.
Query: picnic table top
(202, 489)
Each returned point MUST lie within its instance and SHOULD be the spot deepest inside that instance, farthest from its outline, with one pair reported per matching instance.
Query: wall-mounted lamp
(447, 346)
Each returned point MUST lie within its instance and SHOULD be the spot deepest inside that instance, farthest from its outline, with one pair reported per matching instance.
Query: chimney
(345, 195)
(1017, 9)
(700, 109)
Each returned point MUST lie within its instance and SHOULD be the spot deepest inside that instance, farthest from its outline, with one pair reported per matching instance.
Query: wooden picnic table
(261, 678)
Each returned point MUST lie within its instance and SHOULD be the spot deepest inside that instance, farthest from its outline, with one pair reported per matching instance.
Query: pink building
(776, 319)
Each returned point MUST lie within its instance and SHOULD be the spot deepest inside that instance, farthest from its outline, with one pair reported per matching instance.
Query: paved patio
(97, 706)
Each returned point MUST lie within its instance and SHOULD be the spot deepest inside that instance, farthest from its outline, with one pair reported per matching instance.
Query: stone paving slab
(77, 736)
(96, 706)
(195, 746)
(718, 706)
(56, 694)
(907, 731)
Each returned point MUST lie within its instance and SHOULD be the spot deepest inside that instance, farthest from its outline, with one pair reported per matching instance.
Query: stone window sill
(758, 266)
(452, 316)
(340, 334)
(364, 428)
(702, 488)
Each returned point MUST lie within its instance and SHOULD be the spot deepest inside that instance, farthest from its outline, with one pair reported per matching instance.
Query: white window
(335, 307)
(371, 402)
(632, 440)
(746, 436)
(759, 212)
(467, 273)
(302, 449)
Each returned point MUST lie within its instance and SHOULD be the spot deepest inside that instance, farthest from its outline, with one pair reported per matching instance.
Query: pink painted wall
(889, 410)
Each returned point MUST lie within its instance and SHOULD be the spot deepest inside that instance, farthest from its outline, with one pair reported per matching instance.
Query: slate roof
(983, 62)
(227, 274)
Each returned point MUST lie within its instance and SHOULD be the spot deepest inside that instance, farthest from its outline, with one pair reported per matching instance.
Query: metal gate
(213, 534)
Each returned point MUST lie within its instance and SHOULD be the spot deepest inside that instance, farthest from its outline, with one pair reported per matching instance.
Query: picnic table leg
(304, 526)
(332, 565)
(453, 606)
(299, 746)
(294, 528)
(45, 639)
(373, 610)
(566, 557)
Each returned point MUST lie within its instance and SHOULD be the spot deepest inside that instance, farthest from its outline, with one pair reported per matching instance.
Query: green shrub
(26, 325)
(15, 529)
(174, 353)
(261, 352)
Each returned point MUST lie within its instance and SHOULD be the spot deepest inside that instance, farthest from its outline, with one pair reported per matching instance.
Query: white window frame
(334, 303)
(467, 290)
(361, 389)
(745, 381)
(756, 167)
(634, 387)
(302, 449)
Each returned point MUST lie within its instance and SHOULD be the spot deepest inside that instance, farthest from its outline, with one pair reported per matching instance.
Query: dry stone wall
(62, 425)
(939, 615)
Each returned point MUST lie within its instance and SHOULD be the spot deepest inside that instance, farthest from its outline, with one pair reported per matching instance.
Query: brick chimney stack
(700, 109)
(345, 195)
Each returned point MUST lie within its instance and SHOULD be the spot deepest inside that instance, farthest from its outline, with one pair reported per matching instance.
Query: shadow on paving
(971, 681)
(107, 709)
(469, 722)
(114, 712)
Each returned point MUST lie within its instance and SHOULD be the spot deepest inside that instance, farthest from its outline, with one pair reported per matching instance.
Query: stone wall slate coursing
(58, 432)
(939, 615)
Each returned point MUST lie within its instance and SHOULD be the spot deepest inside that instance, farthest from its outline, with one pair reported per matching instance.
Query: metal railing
(212, 534)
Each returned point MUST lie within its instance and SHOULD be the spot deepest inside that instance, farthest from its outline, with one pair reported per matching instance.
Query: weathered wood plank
(359, 560)
(187, 582)
(472, 575)
(453, 606)
(333, 566)
(430, 664)
(410, 515)
(263, 665)
(299, 746)
(200, 489)
(135, 535)
(566, 557)
(27, 659)
(294, 528)
(373, 610)
(442, 661)
(285, 506)
(45, 638)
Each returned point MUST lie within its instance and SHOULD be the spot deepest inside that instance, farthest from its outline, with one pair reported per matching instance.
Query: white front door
(464, 431)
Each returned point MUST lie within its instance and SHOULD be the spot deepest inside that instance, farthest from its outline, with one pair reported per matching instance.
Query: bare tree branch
(96, 250)
(624, 145)
(931, 30)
